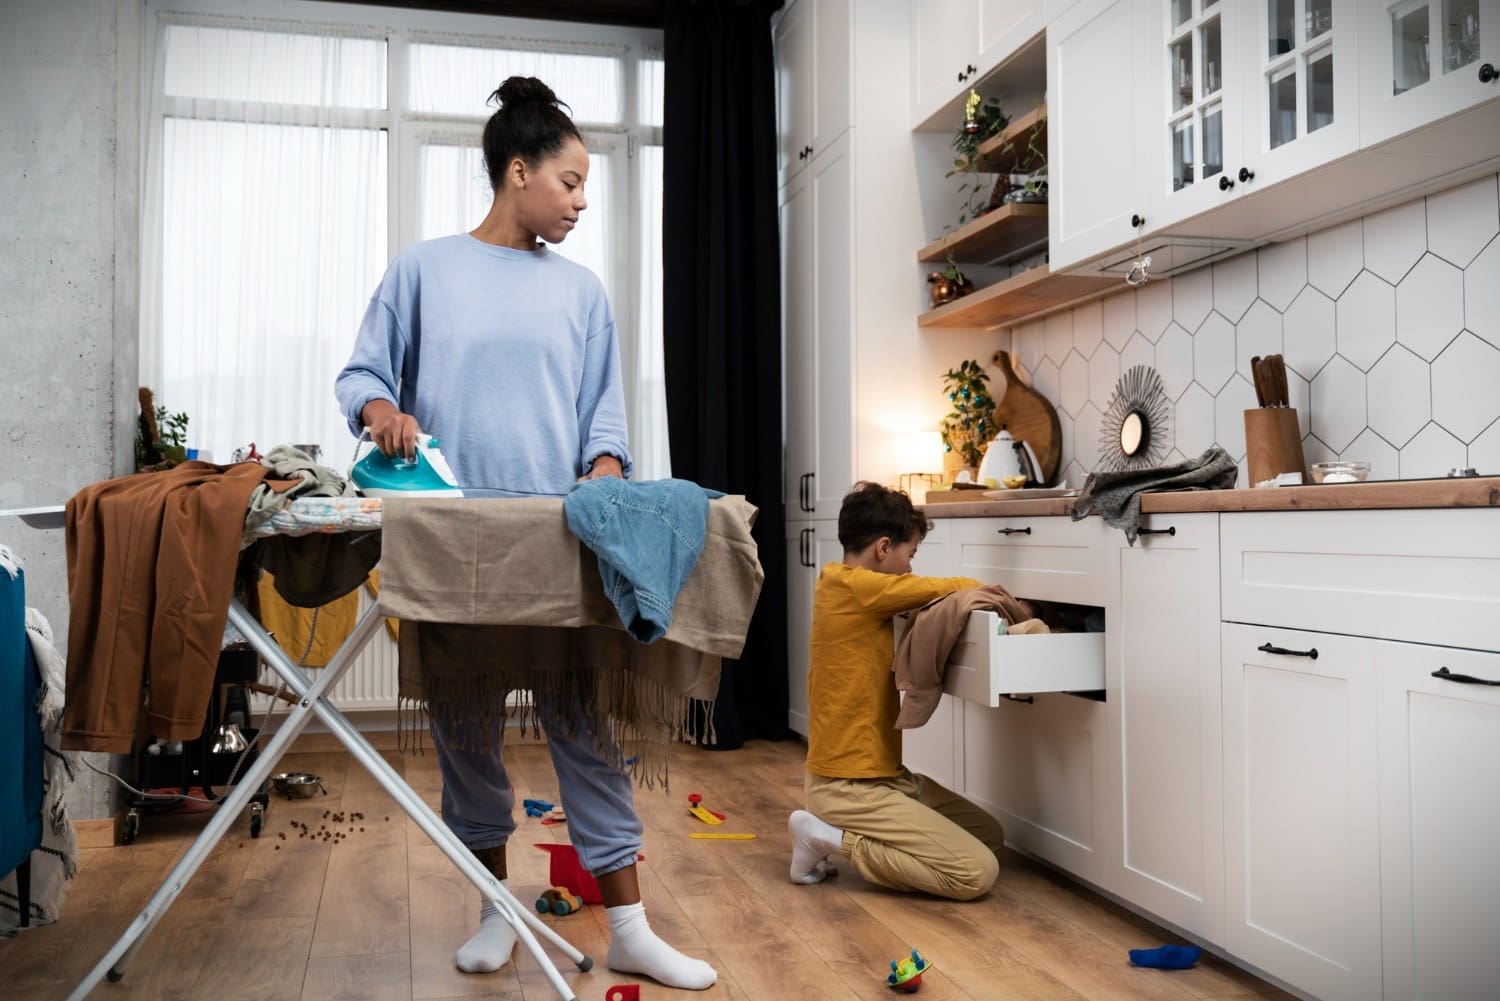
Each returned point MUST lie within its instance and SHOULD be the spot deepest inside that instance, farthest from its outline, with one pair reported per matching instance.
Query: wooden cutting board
(1030, 418)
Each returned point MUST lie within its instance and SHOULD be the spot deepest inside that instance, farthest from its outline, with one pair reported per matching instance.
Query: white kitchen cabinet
(955, 43)
(1097, 178)
(1047, 558)
(813, 49)
(1440, 811)
(1243, 96)
(1166, 691)
(809, 545)
(1301, 813)
(1039, 765)
(1423, 60)
(818, 334)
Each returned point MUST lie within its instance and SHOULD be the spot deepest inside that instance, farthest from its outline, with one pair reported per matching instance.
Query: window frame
(407, 129)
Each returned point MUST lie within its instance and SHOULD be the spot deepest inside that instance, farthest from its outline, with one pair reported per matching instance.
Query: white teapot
(1005, 456)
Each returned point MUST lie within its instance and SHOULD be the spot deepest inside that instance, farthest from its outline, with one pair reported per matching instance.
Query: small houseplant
(983, 119)
(971, 423)
(160, 436)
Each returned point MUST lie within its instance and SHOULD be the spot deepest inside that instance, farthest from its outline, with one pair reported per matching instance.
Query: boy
(899, 830)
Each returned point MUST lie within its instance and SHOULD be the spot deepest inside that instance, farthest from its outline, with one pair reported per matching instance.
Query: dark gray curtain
(721, 258)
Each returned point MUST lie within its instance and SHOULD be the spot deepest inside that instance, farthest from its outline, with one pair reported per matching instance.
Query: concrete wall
(69, 224)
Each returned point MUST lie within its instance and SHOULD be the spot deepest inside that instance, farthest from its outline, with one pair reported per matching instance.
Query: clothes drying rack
(313, 703)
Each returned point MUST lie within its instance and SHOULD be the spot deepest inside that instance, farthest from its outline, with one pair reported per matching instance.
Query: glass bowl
(1340, 472)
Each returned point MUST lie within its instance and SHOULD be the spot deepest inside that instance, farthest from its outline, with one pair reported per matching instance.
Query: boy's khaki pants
(907, 832)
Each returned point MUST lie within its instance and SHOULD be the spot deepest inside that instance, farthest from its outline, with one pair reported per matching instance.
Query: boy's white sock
(491, 946)
(635, 948)
(812, 842)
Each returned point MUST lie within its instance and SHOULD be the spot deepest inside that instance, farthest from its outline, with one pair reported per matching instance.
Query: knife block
(1273, 443)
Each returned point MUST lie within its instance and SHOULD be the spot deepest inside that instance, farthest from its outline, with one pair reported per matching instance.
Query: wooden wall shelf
(1008, 231)
(1017, 297)
(994, 158)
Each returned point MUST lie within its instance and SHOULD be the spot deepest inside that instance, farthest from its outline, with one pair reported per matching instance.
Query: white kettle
(1005, 456)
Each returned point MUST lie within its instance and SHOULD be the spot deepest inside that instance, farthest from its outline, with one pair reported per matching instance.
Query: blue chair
(20, 744)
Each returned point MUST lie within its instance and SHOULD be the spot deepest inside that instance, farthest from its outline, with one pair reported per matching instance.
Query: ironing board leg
(115, 961)
(516, 914)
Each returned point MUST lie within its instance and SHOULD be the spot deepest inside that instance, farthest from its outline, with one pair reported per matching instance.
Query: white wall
(69, 73)
(1390, 326)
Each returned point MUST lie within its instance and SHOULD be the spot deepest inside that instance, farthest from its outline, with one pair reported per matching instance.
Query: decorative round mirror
(1133, 432)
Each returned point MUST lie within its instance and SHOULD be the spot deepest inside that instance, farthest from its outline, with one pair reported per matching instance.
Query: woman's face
(551, 192)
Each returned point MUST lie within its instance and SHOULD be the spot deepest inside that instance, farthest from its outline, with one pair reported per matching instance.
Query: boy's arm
(887, 594)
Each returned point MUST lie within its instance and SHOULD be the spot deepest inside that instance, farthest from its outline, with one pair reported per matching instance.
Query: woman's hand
(605, 465)
(393, 432)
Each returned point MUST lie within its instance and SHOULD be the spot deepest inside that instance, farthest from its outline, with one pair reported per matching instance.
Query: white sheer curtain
(266, 209)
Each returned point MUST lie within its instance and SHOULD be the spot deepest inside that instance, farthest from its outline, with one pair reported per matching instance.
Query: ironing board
(306, 516)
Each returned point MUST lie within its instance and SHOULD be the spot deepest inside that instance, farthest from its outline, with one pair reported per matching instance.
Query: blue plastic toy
(1168, 957)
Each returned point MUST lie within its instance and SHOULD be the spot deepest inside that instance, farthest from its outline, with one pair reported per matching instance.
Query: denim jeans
(479, 801)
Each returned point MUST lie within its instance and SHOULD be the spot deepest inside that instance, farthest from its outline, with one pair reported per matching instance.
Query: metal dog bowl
(298, 785)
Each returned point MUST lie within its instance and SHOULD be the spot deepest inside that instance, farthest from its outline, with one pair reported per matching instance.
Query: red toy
(565, 871)
(623, 992)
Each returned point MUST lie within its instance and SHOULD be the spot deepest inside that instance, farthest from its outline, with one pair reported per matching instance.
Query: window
(288, 161)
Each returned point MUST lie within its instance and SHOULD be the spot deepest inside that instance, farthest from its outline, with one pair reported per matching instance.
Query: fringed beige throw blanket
(498, 596)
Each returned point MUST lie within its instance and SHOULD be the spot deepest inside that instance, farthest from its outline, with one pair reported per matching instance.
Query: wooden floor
(379, 914)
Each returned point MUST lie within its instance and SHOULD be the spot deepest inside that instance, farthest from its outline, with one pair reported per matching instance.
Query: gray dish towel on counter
(1117, 496)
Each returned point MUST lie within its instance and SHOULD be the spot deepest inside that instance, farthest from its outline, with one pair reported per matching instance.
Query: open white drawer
(986, 664)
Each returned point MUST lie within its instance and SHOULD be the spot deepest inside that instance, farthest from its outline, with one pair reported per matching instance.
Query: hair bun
(523, 89)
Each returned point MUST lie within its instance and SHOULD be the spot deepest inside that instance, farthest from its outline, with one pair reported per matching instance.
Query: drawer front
(986, 663)
(1052, 559)
(1421, 576)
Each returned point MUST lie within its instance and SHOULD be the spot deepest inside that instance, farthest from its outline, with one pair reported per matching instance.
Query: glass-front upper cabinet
(1301, 62)
(1191, 127)
(1425, 60)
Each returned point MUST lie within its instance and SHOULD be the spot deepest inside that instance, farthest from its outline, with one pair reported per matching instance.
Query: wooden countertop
(1478, 491)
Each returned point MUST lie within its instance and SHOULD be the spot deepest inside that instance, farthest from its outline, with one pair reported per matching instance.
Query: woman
(506, 352)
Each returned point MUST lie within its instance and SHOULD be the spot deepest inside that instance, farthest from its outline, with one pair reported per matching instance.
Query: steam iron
(427, 475)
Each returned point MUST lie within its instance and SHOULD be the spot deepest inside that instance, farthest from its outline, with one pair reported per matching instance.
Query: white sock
(491, 946)
(812, 842)
(635, 948)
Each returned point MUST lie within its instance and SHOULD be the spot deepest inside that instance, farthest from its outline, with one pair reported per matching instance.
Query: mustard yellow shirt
(851, 694)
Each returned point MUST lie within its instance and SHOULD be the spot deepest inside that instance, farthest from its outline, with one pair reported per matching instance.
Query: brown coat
(151, 562)
(923, 653)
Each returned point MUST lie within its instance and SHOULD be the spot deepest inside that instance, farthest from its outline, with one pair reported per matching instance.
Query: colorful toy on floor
(703, 813)
(566, 871)
(1167, 957)
(906, 974)
(623, 992)
(557, 901)
(555, 816)
(536, 807)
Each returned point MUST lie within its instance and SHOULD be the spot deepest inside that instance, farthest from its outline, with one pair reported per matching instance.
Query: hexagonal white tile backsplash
(1390, 326)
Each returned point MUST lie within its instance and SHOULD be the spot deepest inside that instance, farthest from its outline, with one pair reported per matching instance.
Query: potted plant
(983, 119)
(971, 423)
(950, 283)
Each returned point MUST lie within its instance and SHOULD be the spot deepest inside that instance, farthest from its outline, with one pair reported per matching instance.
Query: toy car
(906, 974)
(558, 901)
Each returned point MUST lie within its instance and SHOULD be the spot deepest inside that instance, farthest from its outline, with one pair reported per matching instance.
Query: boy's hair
(871, 511)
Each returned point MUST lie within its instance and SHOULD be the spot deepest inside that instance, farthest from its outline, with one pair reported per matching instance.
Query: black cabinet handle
(971, 69)
(1463, 679)
(812, 487)
(1169, 530)
(1137, 221)
(1246, 174)
(809, 151)
(1015, 531)
(802, 154)
(1283, 651)
(1487, 73)
(960, 76)
(802, 491)
(1225, 183)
